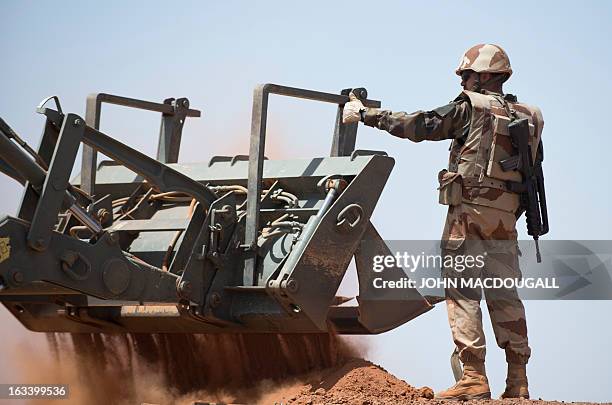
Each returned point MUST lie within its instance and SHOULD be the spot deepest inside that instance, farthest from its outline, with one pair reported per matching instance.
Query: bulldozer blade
(382, 309)
(125, 248)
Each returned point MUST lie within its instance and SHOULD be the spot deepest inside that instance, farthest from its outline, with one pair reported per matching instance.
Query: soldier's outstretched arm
(447, 122)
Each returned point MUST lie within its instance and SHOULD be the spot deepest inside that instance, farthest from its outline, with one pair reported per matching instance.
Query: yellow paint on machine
(5, 249)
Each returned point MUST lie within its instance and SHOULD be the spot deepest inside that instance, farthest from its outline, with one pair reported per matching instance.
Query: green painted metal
(156, 261)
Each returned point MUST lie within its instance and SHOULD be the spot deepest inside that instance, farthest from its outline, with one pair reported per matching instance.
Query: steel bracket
(343, 145)
(56, 182)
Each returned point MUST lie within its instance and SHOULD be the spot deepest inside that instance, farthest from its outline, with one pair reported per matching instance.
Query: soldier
(481, 208)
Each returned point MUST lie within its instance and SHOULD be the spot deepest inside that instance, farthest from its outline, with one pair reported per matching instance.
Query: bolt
(186, 103)
(38, 244)
(292, 285)
(69, 257)
(202, 254)
(113, 238)
(215, 299)
(18, 277)
(78, 122)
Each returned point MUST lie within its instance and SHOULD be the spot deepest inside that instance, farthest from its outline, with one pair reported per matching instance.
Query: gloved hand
(352, 110)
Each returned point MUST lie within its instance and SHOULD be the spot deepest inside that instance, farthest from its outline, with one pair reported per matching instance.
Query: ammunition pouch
(451, 188)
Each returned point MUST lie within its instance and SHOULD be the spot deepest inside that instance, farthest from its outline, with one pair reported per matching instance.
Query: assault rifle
(533, 195)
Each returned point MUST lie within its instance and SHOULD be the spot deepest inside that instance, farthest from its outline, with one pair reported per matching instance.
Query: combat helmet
(485, 58)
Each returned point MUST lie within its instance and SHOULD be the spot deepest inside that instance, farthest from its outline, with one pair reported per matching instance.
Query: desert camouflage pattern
(481, 208)
(478, 125)
(472, 230)
(485, 58)
(447, 122)
(487, 215)
(476, 157)
(507, 317)
(478, 222)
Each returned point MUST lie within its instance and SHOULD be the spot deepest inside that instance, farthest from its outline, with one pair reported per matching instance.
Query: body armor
(474, 172)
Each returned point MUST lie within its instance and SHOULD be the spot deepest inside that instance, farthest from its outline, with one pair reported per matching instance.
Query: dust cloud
(172, 368)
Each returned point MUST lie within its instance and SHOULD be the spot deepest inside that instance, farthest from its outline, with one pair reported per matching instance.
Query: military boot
(473, 384)
(516, 382)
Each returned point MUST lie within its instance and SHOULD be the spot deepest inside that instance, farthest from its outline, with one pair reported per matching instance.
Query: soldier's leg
(465, 320)
(463, 305)
(509, 324)
(506, 309)
(464, 313)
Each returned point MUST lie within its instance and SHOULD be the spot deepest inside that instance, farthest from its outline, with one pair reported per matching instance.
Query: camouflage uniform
(481, 208)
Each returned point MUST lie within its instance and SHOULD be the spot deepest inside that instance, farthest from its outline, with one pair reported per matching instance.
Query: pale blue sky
(405, 53)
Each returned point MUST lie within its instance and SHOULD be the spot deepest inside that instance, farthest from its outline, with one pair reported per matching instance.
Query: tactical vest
(474, 173)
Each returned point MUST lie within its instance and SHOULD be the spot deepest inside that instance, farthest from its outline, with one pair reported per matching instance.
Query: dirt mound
(357, 381)
(233, 369)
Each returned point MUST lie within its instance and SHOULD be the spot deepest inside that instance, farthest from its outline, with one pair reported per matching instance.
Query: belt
(507, 186)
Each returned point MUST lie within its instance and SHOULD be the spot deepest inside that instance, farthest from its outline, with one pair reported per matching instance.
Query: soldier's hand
(352, 110)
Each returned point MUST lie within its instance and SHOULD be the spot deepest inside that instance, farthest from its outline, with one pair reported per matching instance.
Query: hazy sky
(405, 53)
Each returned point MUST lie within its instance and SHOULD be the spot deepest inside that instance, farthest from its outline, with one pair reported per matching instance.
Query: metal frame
(56, 182)
(343, 144)
(88, 282)
(173, 117)
(53, 184)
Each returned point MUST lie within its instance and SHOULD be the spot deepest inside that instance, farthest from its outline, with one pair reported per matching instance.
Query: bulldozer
(238, 244)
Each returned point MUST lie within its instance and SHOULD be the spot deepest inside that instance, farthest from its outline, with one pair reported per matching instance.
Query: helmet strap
(477, 84)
